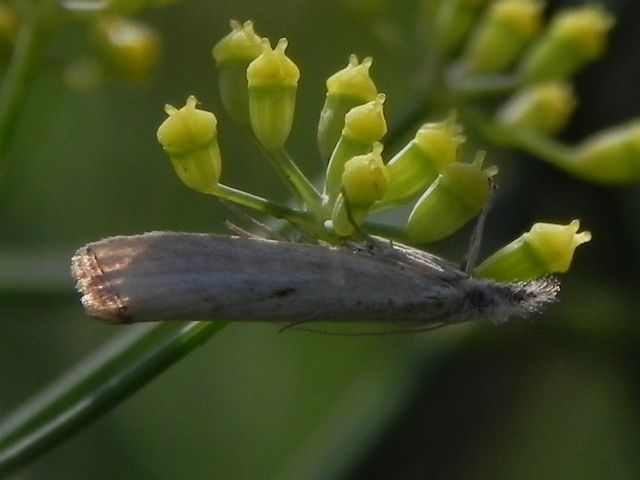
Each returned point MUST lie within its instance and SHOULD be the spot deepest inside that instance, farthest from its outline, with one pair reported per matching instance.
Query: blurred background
(555, 397)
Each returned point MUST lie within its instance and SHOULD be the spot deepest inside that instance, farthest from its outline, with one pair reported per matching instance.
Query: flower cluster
(258, 85)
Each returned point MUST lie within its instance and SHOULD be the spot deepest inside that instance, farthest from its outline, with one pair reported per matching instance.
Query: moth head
(497, 302)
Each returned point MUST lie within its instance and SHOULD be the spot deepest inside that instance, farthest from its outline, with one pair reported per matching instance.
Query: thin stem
(300, 183)
(482, 87)
(95, 387)
(543, 147)
(17, 81)
(297, 182)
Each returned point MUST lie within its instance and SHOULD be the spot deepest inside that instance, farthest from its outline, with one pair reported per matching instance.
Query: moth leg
(471, 258)
(265, 231)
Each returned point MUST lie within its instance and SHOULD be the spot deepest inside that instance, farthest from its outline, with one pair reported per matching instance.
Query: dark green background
(553, 398)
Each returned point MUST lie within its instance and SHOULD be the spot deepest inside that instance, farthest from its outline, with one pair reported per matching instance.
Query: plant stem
(96, 386)
(299, 181)
(546, 148)
(17, 80)
(482, 87)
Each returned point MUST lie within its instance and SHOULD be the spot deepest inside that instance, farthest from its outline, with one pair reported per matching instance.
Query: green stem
(17, 81)
(541, 146)
(298, 183)
(482, 87)
(95, 387)
(301, 183)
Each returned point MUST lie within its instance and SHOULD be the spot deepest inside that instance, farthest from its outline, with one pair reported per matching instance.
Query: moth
(190, 276)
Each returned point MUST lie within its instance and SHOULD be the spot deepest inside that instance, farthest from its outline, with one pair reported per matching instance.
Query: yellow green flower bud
(611, 156)
(348, 88)
(364, 125)
(451, 201)
(505, 30)
(365, 178)
(364, 182)
(574, 38)
(273, 81)
(190, 138)
(8, 30)
(129, 7)
(546, 248)
(419, 163)
(543, 108)
(131, 49)
(233, 54)
(452, 22)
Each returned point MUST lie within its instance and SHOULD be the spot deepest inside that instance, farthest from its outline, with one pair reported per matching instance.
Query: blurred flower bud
(273, 81)
(611, 156)
(502, 34)
(129, 7)
(190, 138)
(131, 49)
(574, 38)
(348, 88)
(545, 249)
(451, 201)
(8, 30)
(233, 54)
(542, 108)
(451, 21)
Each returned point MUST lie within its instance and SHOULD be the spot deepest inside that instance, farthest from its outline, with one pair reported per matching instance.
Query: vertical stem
(15, 86)
(300, 182)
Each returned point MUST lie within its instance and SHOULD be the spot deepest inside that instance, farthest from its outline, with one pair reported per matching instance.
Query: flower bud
(364, 182)
(452, 22)
(503, 33)
(364, 125)
(273, 81)
(575, 38)
(451, 201)
(128, 7)
(419, 163)
(545, 249)
(365, 178)
(233, 54)
(542, 108)
(611, 156)
(348, 88)
(8, 30)
(131, 49)
(190, 138)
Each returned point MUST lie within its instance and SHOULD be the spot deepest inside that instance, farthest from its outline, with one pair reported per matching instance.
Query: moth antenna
(265, 230)
(471, 258)
(297, 326)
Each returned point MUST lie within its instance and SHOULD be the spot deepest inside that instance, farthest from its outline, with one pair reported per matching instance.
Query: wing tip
(99, 298)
